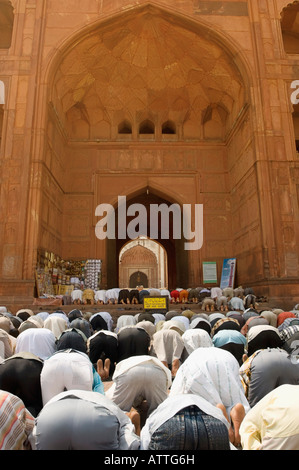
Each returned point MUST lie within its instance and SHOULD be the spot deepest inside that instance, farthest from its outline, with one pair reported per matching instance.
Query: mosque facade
(183, 102)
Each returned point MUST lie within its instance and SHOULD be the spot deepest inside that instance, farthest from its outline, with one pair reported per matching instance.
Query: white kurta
(128, 440)
(66, 370)
(138, 378)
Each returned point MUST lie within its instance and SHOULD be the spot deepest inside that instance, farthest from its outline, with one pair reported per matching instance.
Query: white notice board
(209, 269)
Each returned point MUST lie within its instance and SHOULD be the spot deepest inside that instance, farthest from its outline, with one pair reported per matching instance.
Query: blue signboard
(228, 273)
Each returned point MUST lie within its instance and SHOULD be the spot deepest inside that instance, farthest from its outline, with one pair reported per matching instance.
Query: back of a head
(71, 339)
(82, 325)
(132, 341)
(263, 337)
(98, 323)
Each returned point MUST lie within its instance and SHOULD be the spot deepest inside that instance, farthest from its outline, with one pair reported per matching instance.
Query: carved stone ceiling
(145, 65)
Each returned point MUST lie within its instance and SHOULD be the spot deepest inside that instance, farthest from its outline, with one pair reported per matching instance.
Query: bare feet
(100, 368)
(237, 415)
(107, 367)
(103, 370)
(135, 418)
(230, 431)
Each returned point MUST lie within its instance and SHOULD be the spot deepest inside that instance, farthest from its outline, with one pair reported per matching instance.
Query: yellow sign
(65, 290)
(155, 303)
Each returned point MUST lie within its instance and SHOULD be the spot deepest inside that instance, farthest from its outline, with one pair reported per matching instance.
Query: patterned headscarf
(225, 324)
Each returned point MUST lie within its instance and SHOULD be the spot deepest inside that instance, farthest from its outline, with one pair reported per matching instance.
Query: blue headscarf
(224, 337)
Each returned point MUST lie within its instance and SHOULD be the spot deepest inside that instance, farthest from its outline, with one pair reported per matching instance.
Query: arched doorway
(143, 262)
(177, 258)
(138, 279)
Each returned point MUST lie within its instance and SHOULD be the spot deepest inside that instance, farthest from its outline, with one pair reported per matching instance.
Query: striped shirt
(16, 423)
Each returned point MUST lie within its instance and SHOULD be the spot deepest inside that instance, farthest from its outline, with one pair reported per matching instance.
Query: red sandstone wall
(49, 188)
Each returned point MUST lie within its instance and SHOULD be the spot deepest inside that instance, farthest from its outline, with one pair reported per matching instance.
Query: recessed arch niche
(163, 68)
(160, 69)
(290, 28)
(6, 23)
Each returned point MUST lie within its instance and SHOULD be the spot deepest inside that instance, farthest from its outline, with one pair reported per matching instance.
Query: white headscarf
(125, 320)
(42, 315)
(182, 319)
(174, 325)
(196, 338)
(30, 323)
(148, 326)
(39, 341)
(158, 317)
(213, 374)
(168, 344)
(56, 324)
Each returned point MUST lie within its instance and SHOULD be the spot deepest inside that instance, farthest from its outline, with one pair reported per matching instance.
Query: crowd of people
(210, 299)
(226, 378)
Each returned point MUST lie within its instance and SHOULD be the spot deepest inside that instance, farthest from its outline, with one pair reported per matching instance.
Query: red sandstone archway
(180, 76)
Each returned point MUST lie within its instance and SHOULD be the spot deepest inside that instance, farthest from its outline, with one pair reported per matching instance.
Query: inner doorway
(138, 279)
(143, 262)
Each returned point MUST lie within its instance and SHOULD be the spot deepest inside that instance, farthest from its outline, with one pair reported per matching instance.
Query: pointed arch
(168, 127)
(125, 127)
(147, 127)
(6, 23)
(177, 257)
(289, 20)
